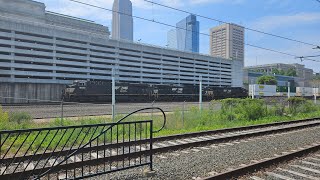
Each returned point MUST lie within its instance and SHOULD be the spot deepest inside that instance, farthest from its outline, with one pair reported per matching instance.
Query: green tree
(268, 80)
(291, 72)
(282, 72)
(275, 71)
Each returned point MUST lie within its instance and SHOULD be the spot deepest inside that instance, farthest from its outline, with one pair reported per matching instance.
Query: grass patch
(230, 113)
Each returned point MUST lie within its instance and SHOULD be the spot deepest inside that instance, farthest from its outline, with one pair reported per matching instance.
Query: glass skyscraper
(188, 34)
(122, 22)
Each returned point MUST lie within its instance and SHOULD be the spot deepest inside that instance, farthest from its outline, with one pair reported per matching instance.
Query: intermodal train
(100, 91)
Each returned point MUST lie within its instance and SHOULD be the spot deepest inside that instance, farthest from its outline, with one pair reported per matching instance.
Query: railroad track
(95, 155)
(301, 168)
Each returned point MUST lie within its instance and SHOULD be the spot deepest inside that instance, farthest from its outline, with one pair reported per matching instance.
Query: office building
(227, 41)
(302, 78)
(172, 39)
(41, 52)
(122, 21)
(187, 33)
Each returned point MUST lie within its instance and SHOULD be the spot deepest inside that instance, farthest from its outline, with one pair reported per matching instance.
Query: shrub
(19, 117)
(4, 117)
(300, 105)
(243, 109)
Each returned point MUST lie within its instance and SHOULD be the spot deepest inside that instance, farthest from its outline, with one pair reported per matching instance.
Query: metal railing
(76, 152)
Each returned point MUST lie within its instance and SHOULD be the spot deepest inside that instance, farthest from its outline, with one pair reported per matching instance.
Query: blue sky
(296, 19)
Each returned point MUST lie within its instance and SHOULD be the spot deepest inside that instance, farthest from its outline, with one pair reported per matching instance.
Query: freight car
(100, 91)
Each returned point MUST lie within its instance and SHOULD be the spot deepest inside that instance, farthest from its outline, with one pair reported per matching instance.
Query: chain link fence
(180, 114)
(42, 110)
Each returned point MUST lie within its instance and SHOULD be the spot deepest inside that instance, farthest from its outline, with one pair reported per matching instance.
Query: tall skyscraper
(186, 35)
(172, 39)
(227, 41)
(122, 22)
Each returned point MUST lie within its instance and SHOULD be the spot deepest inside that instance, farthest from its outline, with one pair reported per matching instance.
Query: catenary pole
(200, 93)
(113, 94)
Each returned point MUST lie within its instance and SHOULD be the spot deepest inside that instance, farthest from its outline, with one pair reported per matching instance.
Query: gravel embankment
(89, 109)
(205, 161)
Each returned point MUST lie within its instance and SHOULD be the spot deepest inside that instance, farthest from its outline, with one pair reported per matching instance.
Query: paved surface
(199, 162)
(89, 109)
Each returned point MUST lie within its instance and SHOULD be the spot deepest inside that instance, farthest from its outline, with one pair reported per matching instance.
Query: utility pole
(252, 89)
(315, 95)
(113, 94)
(288, 90)
(200, 93)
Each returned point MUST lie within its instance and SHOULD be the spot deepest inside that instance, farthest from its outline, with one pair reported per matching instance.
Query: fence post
(151, 141)
(61, 112)
(152, 109)
(315, 95)
(183, 107)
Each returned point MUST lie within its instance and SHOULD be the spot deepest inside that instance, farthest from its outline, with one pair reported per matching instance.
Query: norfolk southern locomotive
(130, 92)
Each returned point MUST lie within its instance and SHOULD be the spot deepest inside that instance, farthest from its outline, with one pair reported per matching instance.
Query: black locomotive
(100, 91)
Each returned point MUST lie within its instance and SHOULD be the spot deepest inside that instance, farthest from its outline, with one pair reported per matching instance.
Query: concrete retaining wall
(27, 92)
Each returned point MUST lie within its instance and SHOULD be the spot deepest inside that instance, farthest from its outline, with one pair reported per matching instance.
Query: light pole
(288, 90)
(113, 94)
(252, 89)
(200, 93)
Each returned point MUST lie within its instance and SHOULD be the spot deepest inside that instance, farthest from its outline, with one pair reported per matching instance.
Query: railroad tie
(310, 163)
(75, 159)
(315, 159)
(185, 152)
(29, 166)
(212, 173)
(279, 176)
(161, 144)
(162, 157)
(307, 169)
(195, 150)
(189, 140)
(256, 178)
(204, 138)
(204, 148)
(2, 170)
(53, 162)
(175, 154)
(299, 174)
(181, 142)
(62, 176)
(196, 139)
(95, 155)
(173, 143)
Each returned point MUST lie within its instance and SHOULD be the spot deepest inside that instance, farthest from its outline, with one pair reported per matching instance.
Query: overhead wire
(221, 21)
(173, 26)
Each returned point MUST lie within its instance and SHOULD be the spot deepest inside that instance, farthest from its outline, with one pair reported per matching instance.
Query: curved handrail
(101, 133)
(143, 109)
